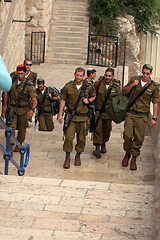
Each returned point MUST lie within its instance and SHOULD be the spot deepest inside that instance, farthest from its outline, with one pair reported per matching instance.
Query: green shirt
(142, 105)
(70, 94)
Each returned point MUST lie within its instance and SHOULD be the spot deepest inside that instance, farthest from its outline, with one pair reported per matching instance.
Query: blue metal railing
(23, 149)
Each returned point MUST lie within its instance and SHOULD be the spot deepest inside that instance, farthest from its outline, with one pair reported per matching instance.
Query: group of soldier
(85, 102)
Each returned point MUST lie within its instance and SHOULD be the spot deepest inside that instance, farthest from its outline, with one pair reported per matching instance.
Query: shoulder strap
(99, 84)
(139, 95)
(19, 100)
(76, 105)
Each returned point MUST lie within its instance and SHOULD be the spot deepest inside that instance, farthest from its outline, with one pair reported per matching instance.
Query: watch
(33, 109)
(155, 119)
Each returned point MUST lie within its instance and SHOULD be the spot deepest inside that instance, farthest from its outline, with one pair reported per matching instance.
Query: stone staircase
(69, 32)
(100, 200)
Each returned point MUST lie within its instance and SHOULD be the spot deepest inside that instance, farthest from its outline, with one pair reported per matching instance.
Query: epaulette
(156, 84)
(116, 83)
(29, 83)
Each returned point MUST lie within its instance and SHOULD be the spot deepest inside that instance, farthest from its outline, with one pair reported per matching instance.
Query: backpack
(56, 104)
(119, 106)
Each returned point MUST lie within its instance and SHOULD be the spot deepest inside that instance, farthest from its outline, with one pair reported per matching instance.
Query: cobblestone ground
(99, 200)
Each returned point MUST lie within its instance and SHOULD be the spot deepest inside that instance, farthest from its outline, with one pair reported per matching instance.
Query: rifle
(36, 118)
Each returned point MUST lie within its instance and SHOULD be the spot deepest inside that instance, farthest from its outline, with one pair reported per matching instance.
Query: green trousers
(19, 123)
(134, 132)
(102, 132)
(46, 122)
(78, 128)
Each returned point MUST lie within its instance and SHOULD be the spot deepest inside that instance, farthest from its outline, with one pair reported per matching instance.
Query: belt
(138, 113)
(80, 114)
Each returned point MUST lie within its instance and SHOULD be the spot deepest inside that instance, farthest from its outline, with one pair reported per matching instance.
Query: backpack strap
(83, 89)
(139, 95)
(19, 100)
(103, 106)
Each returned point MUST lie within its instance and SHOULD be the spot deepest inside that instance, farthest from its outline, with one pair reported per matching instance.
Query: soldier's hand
(85, 100)
(135, 83)
(4, 108)
(152, 123)
(30, 115)
(60, 119)
(50, 95)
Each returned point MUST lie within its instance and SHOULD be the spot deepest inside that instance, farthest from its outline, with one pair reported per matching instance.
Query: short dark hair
(40, 81)
(148, 67)
(80, 69)
(27, 59)
(89, 71)
(109, 69)
(21, 67)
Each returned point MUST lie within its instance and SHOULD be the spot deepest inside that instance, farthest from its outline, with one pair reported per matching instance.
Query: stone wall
(12, 35)
(41, 22)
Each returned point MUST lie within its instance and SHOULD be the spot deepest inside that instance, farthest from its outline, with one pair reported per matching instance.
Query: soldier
(136, 118)
(32, 76)
(103, 125)
(70, 93)
(91, 74)
(45, 96)
(20, 90)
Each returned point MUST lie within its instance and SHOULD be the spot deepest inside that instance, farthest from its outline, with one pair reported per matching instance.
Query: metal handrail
(23, 149)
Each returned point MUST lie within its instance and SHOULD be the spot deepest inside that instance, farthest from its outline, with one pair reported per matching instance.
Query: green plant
(146, 15)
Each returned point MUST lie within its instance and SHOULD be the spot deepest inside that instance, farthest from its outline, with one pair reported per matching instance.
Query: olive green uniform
(32, 76)
(45, 117)
(104, 125)
(136, 118)
(20, 119)
(79, 122)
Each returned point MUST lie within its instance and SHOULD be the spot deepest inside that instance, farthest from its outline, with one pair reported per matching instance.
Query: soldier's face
(41, 87)
(21, 75)
(146, 75)
(108, 77)
(78, 77)
(93, 75)
(28, 65)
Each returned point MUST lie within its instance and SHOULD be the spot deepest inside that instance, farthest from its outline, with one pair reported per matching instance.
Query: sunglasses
(108, 75)
(28, 64)
(146, 73)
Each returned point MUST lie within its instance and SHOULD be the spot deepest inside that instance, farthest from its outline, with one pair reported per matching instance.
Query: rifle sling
(77, 103)
(139, 95)
(19, 100)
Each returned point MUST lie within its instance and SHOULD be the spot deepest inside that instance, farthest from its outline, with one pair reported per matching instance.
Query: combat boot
(96, 152)
(77, 161)
(133, 165)
(66, 164)
(126, 159)
(11, 149)
(103, 148)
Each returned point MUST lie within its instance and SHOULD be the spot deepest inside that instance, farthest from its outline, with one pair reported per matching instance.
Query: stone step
(65, 61)
(68, 34)
(66, 49)
(70, 39)
(72, 44)
(70, 18)
(71, 3)
(69, 23)
(70, 13)
(72, 7)
(66, 55)
(69, 28)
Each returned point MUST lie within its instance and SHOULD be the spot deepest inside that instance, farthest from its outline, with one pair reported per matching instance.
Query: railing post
(90, 27)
